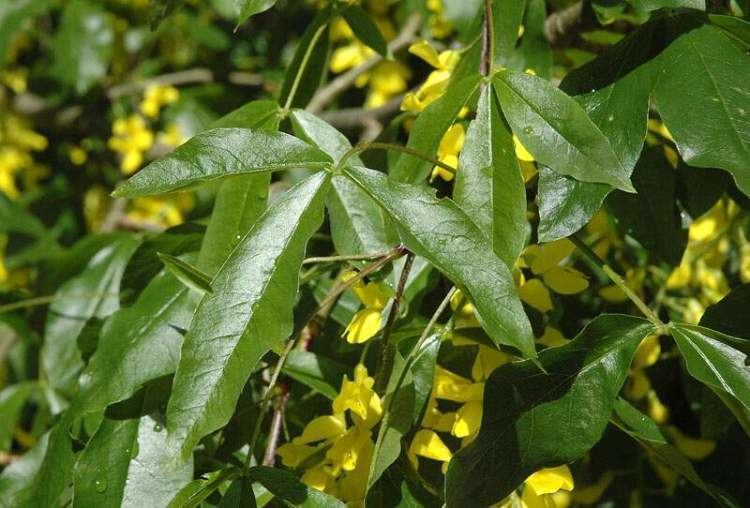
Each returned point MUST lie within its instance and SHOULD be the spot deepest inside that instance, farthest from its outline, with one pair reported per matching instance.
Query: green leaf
(647, 433)
(365, 29)
(248, 314)
(533, 51)
(652, 5)
(12, 17)
(159, 10)
(92, 293)
(652, 216)
(557, 131)
(248, 8)
(357, 224)
(222, 152)
(287, 487)
(125, 464)
(439, 231)
(489, 186)
(316, 69)
(736, 28)
(12, 400)
(15, 219)
(316, 371)
(729, 315)
(18, 476)
(565, 204)
(701, 96)
(144, 264)
(713, 359)
(533, 420)
(42, 481)
(239, 495)
(82, 46)
(137, 344)
(247, 194)
(194, 493)
(507, 18)
(698, 189)
(398, 415)
(186, 273)
(430, 126)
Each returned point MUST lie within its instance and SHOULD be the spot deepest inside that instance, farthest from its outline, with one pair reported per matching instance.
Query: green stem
(398, 148)
(353, 257)
(302, 66)
(618, 280)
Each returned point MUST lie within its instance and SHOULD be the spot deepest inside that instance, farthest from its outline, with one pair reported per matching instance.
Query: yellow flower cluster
(387, 79)
(132, 136)
(544, 263)
(160, 212)
(450, 147)
(439, 26)
(700, 276)
(434, 86)
(17, 143)
(336, 456)
(366, 323)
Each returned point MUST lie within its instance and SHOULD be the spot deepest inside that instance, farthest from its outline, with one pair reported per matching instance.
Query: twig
(353, 257)
(328, 93)
(276, 424)
(114, 215)
(199, 75)
(390, 146)
(351, 118)
(387, 352)
(488, 57)
(560, 27)
(618, 280)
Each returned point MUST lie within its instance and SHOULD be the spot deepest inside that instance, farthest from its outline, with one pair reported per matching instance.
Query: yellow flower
(77, 155)
(521, 152)
(745, 263)
(436, 83)
(427, 444)
(346, 450)
(552, 337)
(647, 354)
(386, 80)
(366, 323)
(15, 79)
(3, 270)
(544, 262)
(157, 96)
(292, 455)
(349, 56)
(172, 136)
(131, 138)
(590, 494)
(448, 151)
(322, 428)
(358, 397)
(655, 409)
(692, 448)
(540, 487)
(439, 25)
(160, 211)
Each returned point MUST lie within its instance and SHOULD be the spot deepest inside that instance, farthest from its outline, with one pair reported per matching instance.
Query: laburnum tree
(374, 253)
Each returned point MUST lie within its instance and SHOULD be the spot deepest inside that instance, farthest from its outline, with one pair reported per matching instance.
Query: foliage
(403, 253)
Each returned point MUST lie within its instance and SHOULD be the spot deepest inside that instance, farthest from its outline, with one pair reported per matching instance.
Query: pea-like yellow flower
(539, 488)
(366, 323)
(647, 354)
(77, 155)
(693, 448)
(358, 397)
(131, 138)
(156, 97)
(438, 24)
(160, 211)
(544, 262)
(450, 147)
(437, 81)
(426, 443)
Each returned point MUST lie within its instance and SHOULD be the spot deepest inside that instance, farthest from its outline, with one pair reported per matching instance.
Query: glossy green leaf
(284, 485)
(714, 359)
(533, 51)
(125, 464)
(652, 5)
(222, 152)
(239, 495)
(12, 400)
(737, 28)
(248, 314)
(92, 293)
(365, 28)
(430, 126)
(16, 478)
(557, 130)
(489, 186)
(357, 223)
(533, 420)
(647, 433)
(507, 18)
(701, 96)
(137, 344)
(13, 15)
(316, 69)
(248, 8)
(316, 371)
(194, 493)
(82, 45)
(652, 216)
(240, 200)
(729, 315)
(439, 231)
(186, 273)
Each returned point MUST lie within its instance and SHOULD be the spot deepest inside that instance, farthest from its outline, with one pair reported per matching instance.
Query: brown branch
(274, 433)
(352, 118)
(198, 75)
(561, 27)
(336, 87)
